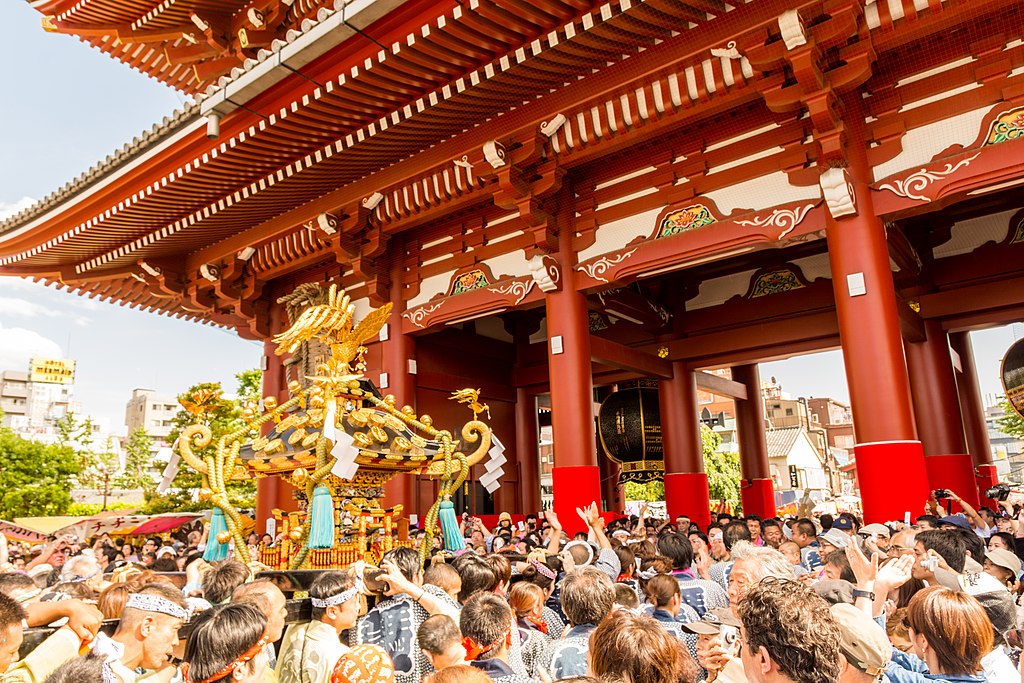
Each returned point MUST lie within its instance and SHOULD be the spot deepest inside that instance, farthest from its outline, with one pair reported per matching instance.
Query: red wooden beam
(720, 386)
(980, 299)
(603, 84)
(623, 357)
(759, 341)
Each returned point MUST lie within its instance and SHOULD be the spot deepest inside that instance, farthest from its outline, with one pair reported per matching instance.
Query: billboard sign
(51, 370)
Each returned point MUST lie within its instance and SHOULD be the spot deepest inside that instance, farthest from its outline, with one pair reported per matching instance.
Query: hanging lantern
(1012, 373)
(629, 427)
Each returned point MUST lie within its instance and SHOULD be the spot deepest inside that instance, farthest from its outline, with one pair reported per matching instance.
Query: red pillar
(686, 484)
(973, 410)
(575, 479)
(526, 455)
(756, 489)
(876, 371)
(937, 414)
(396, 352)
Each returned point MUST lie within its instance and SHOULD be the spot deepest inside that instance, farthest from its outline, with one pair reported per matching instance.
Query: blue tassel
(215, 550)
(453, 540)
(321, 519)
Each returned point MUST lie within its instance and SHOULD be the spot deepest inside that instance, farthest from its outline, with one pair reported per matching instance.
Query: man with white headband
(146, 635)
(310, 651)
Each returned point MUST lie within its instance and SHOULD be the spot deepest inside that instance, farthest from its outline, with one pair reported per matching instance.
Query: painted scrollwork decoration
(787, 219)
(600, 267)
(517, 288)
(914, 184)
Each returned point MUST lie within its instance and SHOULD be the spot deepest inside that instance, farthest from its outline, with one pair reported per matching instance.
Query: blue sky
(68, 106)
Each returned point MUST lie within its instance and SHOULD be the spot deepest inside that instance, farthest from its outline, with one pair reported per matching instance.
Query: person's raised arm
(970, 512)
(641, 525)
(592, 516)
(866, 572)
(48, 550)
(555, 542)
(397, 583)
(83, 619)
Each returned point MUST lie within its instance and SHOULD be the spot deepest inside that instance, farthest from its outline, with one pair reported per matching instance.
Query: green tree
(71, 430)
(224, 417)
(1011, 422)
(137, 463)
(100, 470)
(723, 470)
(35, 478)
(651, 491)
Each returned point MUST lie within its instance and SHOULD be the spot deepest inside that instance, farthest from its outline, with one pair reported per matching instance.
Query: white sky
(68, 106)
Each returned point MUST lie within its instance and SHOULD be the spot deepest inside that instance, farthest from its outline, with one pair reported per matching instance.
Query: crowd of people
(810, 600)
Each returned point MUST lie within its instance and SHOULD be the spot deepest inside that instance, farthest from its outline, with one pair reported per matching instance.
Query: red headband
(475, 649)
(227, 670)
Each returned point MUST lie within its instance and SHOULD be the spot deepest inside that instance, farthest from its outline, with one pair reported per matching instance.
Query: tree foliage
(137, 463)
(35, 478)
(723, 470)
(224, 418)
(651, 491)
(100, 469)
(1010, 423)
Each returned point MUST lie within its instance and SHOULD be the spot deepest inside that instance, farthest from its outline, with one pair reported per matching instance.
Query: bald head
(903, 540)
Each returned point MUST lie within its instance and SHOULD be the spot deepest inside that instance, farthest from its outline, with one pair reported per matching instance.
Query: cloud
(18, 345)
(20, 284)
(8, 209)
(23, 308)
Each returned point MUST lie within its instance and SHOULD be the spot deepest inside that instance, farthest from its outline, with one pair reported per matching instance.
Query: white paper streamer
(491, 480)
(343, 450)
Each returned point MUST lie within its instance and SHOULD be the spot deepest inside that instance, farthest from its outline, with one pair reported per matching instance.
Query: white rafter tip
(151, 270)
(494, 153)
(792, 28)
(198, 21)
(328, 223)
(246, 254)
(209, 272)
(551, 127)
(372, 201)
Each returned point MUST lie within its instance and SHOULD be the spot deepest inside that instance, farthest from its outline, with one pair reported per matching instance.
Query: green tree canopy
(723, 470)
(138, 461)
(99, 470)
(1010, 423)
(35, 478)
(224, 417)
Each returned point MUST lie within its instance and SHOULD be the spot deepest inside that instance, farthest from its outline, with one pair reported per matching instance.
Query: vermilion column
(933, 389)
(396, 352)
(686, 484)
(575, 479)
(973, 410)
(756, 489)
(526, 453)
(876, 371)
